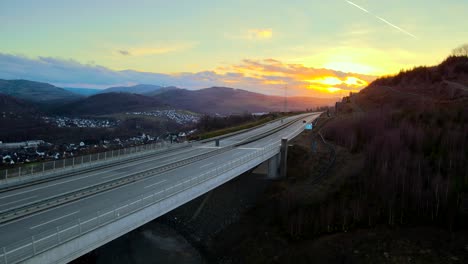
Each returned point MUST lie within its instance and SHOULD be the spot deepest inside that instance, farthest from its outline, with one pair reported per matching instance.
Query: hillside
(110, 103)
(9, 104)
(441, 84)
(137, 89)
(222, 100)
(83, 91)
(35, 91)
(412, 130)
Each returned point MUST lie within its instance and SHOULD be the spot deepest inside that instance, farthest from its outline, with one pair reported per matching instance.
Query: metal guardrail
(82, 165)
(36, 206)
(57, 200)
(27, 248)
(74, 162)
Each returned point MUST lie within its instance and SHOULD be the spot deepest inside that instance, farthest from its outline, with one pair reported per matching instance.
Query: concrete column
(284, 157)
(273, 167)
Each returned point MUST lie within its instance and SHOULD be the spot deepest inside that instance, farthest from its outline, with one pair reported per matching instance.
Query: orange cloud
(301, 80)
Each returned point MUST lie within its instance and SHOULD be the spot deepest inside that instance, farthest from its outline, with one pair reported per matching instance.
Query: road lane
(21, 229)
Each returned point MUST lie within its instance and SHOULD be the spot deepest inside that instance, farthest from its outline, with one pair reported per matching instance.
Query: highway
(44, 221)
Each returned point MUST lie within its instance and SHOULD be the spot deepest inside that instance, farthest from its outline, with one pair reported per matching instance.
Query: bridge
(55, 217)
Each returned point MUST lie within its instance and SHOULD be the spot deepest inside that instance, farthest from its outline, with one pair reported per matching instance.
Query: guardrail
(73, 162)
(78, 164)
(27, 248)
(63, 198)
(36, 206)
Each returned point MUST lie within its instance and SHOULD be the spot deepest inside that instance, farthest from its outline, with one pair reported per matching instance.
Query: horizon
(324, 49)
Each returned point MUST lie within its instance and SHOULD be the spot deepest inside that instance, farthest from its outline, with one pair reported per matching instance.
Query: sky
(303, 47)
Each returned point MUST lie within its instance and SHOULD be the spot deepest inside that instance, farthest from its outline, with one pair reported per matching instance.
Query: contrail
(382, 19)
(363, 9)
(399, 28)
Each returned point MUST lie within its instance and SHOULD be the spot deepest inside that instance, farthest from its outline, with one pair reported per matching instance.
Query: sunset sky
(316, 48)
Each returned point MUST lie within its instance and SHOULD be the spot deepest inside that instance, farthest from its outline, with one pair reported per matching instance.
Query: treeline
(415, 173)
(450, 68)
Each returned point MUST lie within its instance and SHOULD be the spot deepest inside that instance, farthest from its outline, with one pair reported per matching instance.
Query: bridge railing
(72, 163)
(27, 248)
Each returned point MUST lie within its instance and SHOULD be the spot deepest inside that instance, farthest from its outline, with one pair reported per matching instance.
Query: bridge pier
(284, 157)
(273, 167)
(277, 165)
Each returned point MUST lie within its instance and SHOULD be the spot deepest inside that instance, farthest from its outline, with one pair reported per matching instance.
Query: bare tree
(461, 51)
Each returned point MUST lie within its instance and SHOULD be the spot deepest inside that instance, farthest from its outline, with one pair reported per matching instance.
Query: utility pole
(285, 98)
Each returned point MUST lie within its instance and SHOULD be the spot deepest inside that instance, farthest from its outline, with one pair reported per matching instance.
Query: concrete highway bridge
(58, 216)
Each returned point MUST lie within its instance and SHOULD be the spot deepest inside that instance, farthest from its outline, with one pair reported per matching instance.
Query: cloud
(381, 19)
(268, 76)
(156, 49)
(124, 52)
(253, 34)
(260, 33)
(299, 78)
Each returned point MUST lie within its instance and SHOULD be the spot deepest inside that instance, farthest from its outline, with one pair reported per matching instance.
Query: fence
(27, 248)
(81, 161)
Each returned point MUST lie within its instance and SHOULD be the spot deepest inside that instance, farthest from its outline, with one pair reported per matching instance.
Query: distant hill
(161, 90)
(83, 91)
(35, 91)
(137, 89)
(11, 104)
(110, 103)
(222, 100)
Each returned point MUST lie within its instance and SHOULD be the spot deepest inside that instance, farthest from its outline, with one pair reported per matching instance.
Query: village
(15, 153)
(80, 122)
(179, 117)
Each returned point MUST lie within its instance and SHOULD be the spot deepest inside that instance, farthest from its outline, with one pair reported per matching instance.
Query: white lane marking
(208, 147)
(53, 220)
(151, 185)
(31, 197)
(250, 148)
(92, 175)
(206, 165)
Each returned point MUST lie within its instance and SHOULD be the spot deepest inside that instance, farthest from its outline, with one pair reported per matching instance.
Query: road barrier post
(19, 171)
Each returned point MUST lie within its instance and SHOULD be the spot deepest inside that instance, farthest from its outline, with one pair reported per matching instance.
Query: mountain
(110, 103)
(83, 91)
(137, 89)
(222, 100)
(162, 90)
(35, 91)
(9, 104)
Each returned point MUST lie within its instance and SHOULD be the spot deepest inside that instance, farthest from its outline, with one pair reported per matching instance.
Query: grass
(224, 131)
